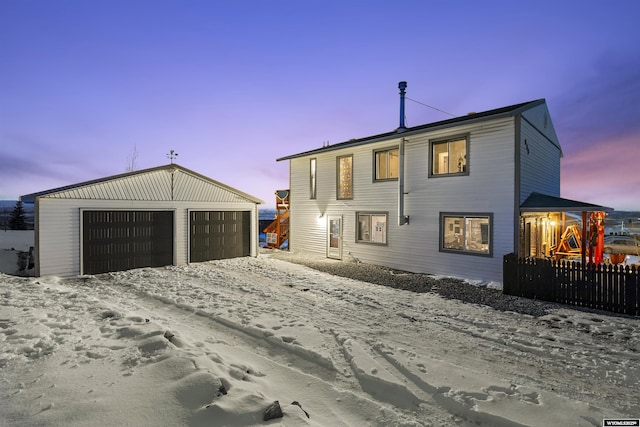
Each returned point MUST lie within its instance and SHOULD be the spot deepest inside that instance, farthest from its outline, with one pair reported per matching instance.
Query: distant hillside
(266, 213)
(624, 215)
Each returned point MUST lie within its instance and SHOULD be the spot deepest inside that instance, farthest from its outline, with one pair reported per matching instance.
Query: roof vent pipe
(402, 86)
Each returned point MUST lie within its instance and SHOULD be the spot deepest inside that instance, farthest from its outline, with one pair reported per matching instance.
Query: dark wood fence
(599, 286)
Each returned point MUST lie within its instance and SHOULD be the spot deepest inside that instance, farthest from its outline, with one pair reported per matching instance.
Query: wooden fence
(599, 286)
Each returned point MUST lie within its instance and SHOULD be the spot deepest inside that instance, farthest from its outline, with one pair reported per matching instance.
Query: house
(167, 215)
(444, 198)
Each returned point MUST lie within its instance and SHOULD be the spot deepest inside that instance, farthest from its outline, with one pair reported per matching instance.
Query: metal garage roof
(162, 183)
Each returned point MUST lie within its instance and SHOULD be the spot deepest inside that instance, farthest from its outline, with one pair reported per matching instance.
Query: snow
(217, 343)
(11, 242)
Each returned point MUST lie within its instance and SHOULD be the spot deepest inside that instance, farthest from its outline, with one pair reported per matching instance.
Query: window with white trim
(372, 228)
(466, 233)
(386, 164)
(449, 157)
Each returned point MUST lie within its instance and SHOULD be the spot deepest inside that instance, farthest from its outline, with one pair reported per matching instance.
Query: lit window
(386, 164)
(468, 233)
(312, 178)
(372, 228)
(449, 157)
(345, 178)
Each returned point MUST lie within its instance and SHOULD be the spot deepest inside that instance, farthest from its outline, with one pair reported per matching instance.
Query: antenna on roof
(172, 155)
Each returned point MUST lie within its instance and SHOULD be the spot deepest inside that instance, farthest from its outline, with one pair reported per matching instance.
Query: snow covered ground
(12, 242)
(214, 344)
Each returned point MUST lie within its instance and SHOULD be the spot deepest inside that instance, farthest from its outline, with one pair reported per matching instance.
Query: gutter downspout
(518, 233)
(402, 218)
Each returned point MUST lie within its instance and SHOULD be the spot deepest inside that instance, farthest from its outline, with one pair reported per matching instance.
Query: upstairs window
(449, 157)
(313, 164)
(386, 164)
(372, 228)
(466, 233)
(344, 188)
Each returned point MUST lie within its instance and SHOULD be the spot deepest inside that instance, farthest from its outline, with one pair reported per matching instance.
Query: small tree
(18, 221)
(132, 159)
(5, 218)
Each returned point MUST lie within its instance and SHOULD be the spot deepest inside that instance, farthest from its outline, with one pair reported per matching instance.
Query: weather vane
(172, 155)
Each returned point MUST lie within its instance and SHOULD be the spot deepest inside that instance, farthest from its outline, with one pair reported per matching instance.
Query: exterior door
(334, 237)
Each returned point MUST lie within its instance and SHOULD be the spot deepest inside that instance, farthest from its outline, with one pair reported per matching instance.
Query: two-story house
(446, 198)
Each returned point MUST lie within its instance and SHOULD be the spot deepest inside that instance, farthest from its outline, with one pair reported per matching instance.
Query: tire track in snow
(547, 357)
(170, 315)
(526, 356)
(550, 351)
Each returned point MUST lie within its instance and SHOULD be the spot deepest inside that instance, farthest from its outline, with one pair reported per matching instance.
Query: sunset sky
(233, 85)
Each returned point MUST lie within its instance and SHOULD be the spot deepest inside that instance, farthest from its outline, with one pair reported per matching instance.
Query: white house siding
(540, 117)
(57, 239)
(58, 228)
(308, 220)
(414, 247)
(59, 233)
(539, 155)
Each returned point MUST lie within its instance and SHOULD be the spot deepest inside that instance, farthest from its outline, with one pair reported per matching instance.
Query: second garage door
(219, 235)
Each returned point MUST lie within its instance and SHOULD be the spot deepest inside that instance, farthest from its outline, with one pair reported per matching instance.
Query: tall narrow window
(312, 178)
(467, 233)
(344, 188)
(449, 157)
(386, 164)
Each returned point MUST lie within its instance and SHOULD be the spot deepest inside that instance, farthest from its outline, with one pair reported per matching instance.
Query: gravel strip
(417, 282)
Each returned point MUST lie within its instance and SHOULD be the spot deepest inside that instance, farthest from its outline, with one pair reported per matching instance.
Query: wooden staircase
(277, 232)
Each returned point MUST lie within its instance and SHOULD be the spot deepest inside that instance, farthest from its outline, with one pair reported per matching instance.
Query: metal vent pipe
(402, 218)
(402, 86)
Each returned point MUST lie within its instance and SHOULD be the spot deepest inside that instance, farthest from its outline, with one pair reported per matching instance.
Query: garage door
(219, 235)
(122, 240)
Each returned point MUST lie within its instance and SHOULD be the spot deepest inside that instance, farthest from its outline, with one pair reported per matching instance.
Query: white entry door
(334, 237)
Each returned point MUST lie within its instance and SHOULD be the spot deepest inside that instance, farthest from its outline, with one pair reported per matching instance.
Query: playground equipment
(571, 242)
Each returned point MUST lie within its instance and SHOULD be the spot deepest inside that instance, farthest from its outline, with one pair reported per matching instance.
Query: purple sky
(231, 86)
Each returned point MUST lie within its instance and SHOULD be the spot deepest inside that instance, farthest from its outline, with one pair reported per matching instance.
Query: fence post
(509, 273)
(547, 280)
(632, 292)
(606, 287)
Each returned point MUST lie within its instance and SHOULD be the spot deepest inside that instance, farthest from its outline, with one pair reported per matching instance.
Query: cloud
(31, 165)
(604, 174)
(604, 105)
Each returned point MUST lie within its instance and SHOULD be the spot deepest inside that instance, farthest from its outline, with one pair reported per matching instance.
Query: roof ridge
(31, 197)
(508, 110)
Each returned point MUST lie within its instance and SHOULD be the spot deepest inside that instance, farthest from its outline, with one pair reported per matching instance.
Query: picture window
(466, 233)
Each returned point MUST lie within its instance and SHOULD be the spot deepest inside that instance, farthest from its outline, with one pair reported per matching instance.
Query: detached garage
(167, 215)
